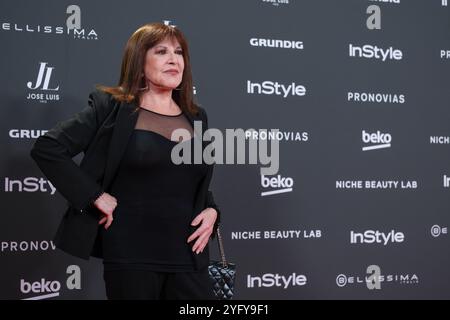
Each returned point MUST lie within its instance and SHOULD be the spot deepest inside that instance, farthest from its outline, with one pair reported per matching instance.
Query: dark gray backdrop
(329, 150)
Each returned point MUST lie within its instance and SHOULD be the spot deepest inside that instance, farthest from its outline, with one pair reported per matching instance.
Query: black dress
(155, 200)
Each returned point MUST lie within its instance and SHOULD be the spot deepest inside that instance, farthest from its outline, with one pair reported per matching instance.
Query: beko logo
(268, 280)
(373, 52)
(375, 236)
(47, 288)
(270, 88)
(375, 97)
(379, 140)
(26, 133)
(278, 184)
(29, 184)
(273, 43)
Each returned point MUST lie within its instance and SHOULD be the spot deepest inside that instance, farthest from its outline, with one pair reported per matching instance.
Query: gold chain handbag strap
(222, 251)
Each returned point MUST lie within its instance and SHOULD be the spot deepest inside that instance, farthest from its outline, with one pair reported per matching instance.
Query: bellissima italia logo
(72, 28)
(374, 278)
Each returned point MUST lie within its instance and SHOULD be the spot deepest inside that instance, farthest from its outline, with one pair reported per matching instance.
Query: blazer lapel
(125, 123)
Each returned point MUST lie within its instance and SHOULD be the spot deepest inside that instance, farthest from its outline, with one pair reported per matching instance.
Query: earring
(146, 87)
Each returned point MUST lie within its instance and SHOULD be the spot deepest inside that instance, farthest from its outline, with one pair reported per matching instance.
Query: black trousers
(133, 284)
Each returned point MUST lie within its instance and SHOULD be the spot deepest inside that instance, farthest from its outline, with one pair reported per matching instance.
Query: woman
(149, 219)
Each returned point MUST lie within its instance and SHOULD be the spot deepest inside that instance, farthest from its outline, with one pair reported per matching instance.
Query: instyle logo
(269, 280)
(274, 43)
(446, 181)
(278, 185)
(275, 88)
(29, 184)
(377, 140)
(375, 236)
(374, 52)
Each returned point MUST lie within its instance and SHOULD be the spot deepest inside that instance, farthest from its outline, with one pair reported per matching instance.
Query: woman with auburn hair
(148, 218)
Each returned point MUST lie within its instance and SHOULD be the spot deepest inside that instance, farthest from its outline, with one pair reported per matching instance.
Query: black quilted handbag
(222, 274)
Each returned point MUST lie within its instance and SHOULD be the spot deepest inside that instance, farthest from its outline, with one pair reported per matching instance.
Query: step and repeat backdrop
(359, 91)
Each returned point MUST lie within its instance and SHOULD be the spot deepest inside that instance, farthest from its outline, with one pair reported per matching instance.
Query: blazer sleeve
(210, 202)
(53, 153)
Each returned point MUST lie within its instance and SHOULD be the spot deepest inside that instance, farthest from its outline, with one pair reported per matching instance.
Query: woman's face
(164, 64)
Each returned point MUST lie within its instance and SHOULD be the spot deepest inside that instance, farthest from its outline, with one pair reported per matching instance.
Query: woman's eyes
(164, 51)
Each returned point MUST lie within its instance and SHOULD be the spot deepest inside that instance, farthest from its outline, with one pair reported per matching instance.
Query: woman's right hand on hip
(106, 203)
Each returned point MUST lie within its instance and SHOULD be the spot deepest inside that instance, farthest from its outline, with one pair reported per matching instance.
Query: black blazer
(101, 130)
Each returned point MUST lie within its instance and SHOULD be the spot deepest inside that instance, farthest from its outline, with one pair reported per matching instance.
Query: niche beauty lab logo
(40, 289)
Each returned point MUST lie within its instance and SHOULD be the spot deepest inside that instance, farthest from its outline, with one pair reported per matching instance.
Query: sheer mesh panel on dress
(163, 124)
